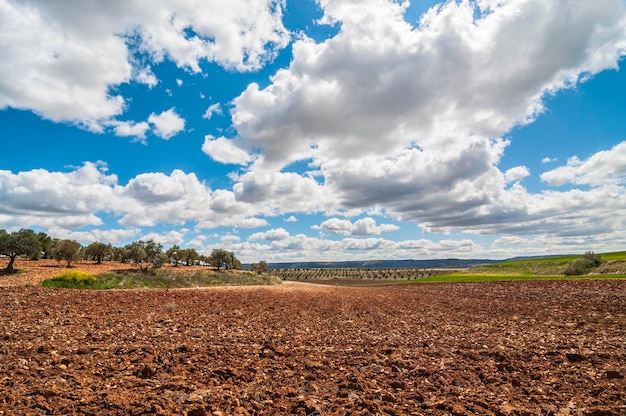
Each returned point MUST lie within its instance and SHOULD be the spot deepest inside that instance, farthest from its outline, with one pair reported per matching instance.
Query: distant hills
(384, 264)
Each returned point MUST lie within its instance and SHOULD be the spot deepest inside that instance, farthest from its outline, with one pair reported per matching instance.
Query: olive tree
(18, 243)
(98, 251)
(173, 254)
(66, 250)
(47, 243)
(260, 267)
(222, 258)
(145, 254)
(189, 256)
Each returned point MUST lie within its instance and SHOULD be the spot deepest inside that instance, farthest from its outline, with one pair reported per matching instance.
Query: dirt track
(514, 348)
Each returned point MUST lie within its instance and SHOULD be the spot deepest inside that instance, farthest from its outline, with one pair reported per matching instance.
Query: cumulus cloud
(130, 128)
(270, 235)
(146, 76)
(381, 85)
(212, 109)
(281, 192)
(111, 236)
(57, 199)
(166, 124)
(63, 60)
(511, 240)
(298, 247)
(516, 174)
(604, 167)
(224, 150)
(410, 119)
(78, 198)
(363, 226)
(168, 239)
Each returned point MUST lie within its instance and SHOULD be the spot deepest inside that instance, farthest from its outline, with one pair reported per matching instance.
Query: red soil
(508, 348)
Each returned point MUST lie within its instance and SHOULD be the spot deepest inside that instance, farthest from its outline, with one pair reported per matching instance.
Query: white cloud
(55, 199)
(63, 59)
(168, 239)
(291, 219)
(167, 123)
(281, 192)
(363, 226)
(511, 241)
(380, 85)
(78, 198)
(367, 226)
(224, 150)
(130, 128)
(212, 109)
(111, 236)
(230, 239)
(146, 76)
(548, 160)
(408, 119)
(335, 226)
(605, 167)
(516, 174)
(179, 82)
(276, 234)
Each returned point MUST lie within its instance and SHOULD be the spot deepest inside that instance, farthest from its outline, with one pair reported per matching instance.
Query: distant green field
(545, 266)
(462, 277)
(619, 255)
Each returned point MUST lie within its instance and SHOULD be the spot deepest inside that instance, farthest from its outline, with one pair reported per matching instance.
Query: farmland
(357, 275)
(551, 347)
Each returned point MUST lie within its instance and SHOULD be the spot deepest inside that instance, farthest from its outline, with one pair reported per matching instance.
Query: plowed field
(508, 348)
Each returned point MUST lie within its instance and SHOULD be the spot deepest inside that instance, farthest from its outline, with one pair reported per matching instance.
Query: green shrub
(74, 277)
(583, 265)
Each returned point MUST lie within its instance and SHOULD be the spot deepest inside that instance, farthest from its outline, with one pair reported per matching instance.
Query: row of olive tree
(144, 255)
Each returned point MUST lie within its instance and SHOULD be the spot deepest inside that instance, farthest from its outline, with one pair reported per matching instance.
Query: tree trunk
(9, 268)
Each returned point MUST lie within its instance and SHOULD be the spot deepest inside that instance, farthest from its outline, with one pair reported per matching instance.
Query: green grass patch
(164, 279)
(468, 277)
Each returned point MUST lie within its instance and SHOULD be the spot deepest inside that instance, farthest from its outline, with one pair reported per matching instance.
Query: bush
(74, 277)
(583, 265)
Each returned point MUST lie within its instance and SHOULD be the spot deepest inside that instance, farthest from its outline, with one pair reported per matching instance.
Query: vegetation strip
(162, 279)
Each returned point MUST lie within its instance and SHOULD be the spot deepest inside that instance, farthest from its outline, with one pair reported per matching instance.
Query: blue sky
(317, 130)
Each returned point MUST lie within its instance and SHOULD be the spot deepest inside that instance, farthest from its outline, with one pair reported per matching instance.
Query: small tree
(189, 256)
(260, 267)
(120, 254)
(66, 250)
(19, 243)
(98, 251)
(146, 254)
(173, 253)
(136, 254)
(222, 258)
(46, 243)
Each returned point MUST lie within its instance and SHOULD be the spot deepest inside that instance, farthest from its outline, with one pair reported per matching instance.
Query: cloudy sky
(317, 129)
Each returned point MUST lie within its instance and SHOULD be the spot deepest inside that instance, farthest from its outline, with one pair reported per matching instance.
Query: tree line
(144, 255)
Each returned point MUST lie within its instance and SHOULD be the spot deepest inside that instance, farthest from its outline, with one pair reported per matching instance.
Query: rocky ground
(509, 348)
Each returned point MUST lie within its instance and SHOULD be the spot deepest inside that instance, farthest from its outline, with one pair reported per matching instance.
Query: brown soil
(505, 348)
